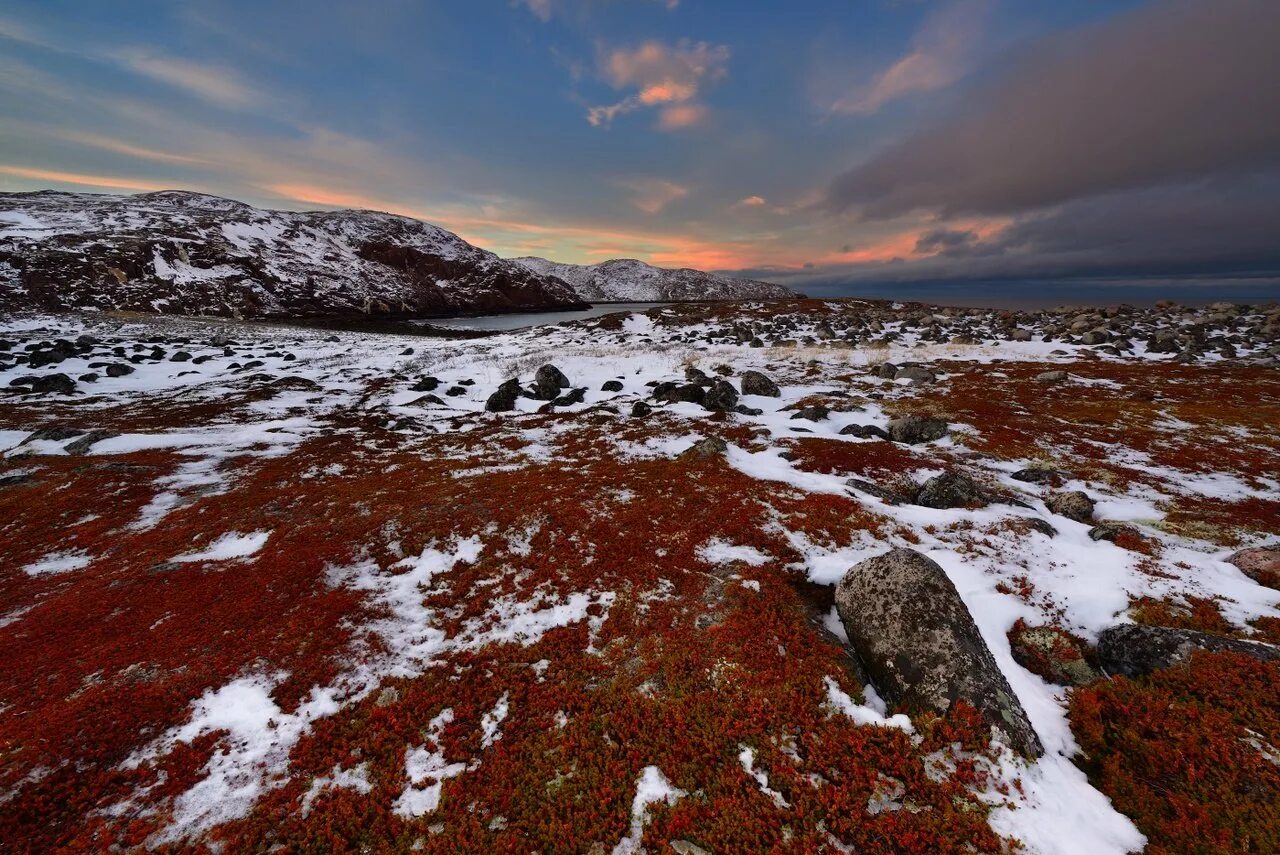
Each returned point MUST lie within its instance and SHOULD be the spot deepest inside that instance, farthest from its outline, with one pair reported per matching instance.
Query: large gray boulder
(1134, 649)
(915, 429)
(548, 382)
(920, 646)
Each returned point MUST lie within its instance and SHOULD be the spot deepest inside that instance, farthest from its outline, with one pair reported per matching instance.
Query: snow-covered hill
(186, 253)
(626, 279)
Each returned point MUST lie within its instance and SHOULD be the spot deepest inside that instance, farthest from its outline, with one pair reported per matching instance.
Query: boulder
(916, 429)
(951, 490)
(53, 384)
(721, 397)
(1038, 475)
(755, 383)
(1052, 376)
(920, 646)
(119, 369)
(917, 374)
(1072, 504)
(689, 393)
(1261, 564)
(548, 382)
(1135, 649)
(611, 386)
(640, 409)
(504, 398)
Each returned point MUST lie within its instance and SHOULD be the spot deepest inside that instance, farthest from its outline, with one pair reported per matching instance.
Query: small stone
(1074, 505)
(815, 413)
(864, 432)
(1051, 376)
(706, 448)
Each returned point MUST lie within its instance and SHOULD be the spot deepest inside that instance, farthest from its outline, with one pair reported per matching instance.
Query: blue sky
(822, 143)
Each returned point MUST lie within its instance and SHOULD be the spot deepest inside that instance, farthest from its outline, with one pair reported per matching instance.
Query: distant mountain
(628, 280)
(186, 253)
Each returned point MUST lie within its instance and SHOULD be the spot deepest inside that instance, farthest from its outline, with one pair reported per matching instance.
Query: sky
(838, 146)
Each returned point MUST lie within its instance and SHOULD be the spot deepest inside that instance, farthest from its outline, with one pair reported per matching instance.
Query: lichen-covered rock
(548, 382)
(1072, 504)
(920, 646)
(951, 490)
(1134, 649)
(911, 430)
(1261, 564)
(755, 383)
(1053, 653)
(705, 448)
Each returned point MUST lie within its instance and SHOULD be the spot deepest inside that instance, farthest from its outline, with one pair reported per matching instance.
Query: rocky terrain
(182, 253)
(797, 576)
(625, 280)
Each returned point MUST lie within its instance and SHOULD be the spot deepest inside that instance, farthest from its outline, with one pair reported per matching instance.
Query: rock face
(920, 646)
(625, 279)
(190, 254)
(1134, 649)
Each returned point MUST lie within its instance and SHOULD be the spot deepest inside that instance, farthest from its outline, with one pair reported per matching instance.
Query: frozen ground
(301, 588)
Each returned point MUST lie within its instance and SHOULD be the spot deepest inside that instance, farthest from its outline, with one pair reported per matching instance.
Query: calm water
(532, 319)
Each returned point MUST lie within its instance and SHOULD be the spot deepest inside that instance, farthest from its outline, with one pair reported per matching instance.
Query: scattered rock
(426, 384)
(1073, 504)
(1109, 531)
(53, 384)
(920, 646)
(640, 409)
(917, 374)
(889, 497)
(1135, 649)
(119, 369)
(1052, 376)
(1261, 564)
(1038, 475)
(689, 393)
(864, 432)
(815, 413)
(703, 449)
(504, 398)
(548, 382)
(951, 490)
(911, 430)
(612, 386)
(755, 383)
(721, 397)
(577, 396)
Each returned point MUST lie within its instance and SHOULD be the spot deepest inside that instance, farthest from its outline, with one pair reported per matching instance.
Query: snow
(423, 765)
(58, 562)
(717, 551)
(747, 757)
(864, 715)
(228, 546)
(651, 788)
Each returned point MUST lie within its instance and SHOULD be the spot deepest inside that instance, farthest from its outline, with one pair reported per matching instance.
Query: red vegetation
(1189, 753)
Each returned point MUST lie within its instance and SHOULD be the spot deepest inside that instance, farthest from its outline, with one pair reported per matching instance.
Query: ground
(300, 606)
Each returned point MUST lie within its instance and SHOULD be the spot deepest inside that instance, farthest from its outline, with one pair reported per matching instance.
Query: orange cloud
(661, 74)
(107, 181)
(682, 116)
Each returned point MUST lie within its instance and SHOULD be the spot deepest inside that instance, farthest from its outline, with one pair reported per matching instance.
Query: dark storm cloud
(1176, 90)
(1202, 231)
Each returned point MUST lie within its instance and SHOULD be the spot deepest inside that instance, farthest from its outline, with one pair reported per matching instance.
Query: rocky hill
(184, 253)
(629, 280)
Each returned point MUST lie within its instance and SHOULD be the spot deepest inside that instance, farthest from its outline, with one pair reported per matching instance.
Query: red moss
(1178, 752)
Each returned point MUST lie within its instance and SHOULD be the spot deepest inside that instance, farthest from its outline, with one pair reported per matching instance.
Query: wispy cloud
(651, 195)
(216, 84)
(106, 143)
(941, 53)
(110, 182)
(665, 77)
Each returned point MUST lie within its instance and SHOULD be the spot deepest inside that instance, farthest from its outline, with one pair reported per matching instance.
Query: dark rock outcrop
(1134, 649)
(756, 383)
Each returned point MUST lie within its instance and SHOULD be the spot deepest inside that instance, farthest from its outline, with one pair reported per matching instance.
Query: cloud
(751, 202)
(663, 76)
(106, 143)
(78, 179)
(941, 53)
(544, 10)
(1170, 92)
(1209, 231)
(215, 84)
(651, 195)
